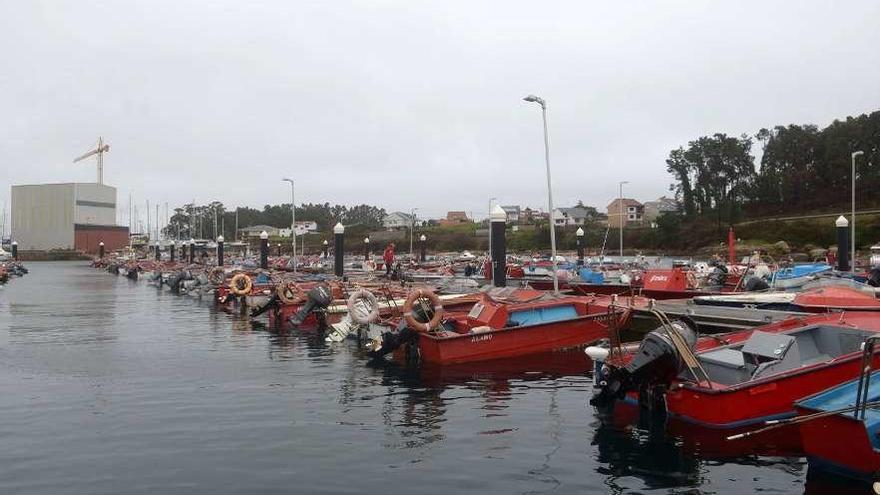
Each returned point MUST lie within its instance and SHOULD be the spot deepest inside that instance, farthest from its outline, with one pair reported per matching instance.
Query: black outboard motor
(718, 275)
(657, 362)
(391, 341)
(754, 284)
(320, 298)
(272, 303)
(874, 277)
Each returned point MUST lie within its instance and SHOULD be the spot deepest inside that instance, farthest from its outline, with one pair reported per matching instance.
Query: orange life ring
(241, 284)
(408, 309)
(290, 293)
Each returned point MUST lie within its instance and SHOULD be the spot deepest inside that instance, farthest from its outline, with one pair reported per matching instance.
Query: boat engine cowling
(319, 297)
(656, 362)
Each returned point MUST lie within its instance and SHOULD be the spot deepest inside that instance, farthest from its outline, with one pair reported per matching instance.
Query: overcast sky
(411, 104)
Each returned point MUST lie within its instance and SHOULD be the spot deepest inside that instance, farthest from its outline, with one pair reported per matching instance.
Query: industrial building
(66, 216)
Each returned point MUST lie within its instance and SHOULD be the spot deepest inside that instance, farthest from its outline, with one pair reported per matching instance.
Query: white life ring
(363, 307)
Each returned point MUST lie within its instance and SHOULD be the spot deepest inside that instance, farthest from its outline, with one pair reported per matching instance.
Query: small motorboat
(818, 300)
(503, 323)
(660, 284)
(737, 379)
(798, 275)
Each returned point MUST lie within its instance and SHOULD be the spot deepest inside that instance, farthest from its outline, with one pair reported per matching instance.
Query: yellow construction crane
(100, 150)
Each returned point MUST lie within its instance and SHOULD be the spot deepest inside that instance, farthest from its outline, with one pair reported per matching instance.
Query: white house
(302, 228)
(396, 220)
(569, 216)
(512, 213)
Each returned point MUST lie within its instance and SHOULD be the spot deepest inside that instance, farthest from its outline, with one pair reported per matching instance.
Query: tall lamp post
(412, 226)
(292, 223)
(489, 220)
(540, 101)
(852, 260)
(620, 202)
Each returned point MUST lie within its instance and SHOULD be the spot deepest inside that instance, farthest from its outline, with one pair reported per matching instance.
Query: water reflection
(632, 445)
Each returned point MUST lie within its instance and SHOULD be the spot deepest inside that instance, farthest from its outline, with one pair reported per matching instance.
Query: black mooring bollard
(422, 242)
(579, 235)
(220, 242)
(264, 250)
(101, 250)
(499, 246)
(843, 260)
(338, 248)
(15, 250)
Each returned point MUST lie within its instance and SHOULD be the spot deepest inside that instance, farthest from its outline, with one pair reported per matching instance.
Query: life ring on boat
(217, 275)
(290, 293)
(363, 307)
(692, 281)
(411, 301)
(241, 284)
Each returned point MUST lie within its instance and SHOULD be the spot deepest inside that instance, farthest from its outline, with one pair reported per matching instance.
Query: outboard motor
(874, 277)
(656, 363)
(271, 303)
(754, 284)
(718, 275)
(389, 342)
(319, 298)
(173, 281)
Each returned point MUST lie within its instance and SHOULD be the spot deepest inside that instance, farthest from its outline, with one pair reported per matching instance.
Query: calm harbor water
(112, 386)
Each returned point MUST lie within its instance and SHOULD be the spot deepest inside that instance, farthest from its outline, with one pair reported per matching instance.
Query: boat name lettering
(481, 338)
(763, 388)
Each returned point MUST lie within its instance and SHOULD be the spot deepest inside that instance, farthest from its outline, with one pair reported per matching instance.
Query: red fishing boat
(660, 284)
(742, 378)
(816, 300)
(502, 324)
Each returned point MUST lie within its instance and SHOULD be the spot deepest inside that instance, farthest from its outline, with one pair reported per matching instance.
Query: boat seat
(729, 358)
(766, 346)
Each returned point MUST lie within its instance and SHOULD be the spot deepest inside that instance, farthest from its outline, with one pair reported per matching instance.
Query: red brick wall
(87, 237)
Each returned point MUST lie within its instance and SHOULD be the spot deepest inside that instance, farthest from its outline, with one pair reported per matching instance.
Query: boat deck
(708, 318)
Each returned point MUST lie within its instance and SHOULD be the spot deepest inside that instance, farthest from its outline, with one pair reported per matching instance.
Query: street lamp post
(620, 201)
(489, 220)
(412, 226)
(292, 223)
(540, 101)
(852, 226)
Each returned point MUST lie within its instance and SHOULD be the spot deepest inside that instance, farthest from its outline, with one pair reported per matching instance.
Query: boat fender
(596, 353)
(692, 281)
(363, 307)
(240, 284)
(481, 329)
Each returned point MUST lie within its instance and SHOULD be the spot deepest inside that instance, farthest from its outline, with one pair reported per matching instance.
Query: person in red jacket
(388, 258)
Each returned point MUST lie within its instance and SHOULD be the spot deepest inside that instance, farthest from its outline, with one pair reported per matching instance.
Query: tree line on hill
(802, 168)
(213, 219)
